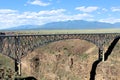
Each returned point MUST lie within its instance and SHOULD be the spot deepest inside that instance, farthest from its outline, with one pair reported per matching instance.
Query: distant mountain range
(75, 24)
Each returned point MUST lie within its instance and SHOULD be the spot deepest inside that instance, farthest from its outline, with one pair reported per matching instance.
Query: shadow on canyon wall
(107, 54)
(26, 78)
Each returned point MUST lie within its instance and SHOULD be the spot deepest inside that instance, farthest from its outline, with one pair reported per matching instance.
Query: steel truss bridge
(18, 46)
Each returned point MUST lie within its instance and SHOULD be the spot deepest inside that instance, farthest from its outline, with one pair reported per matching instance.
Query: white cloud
(39, 3)
(3, 11)
(110, 20)
(104, 9)
(52, 12)
(87, 9)
(12, 18)
(114, 9)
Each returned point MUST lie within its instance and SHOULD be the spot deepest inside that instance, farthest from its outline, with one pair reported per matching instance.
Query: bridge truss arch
(18, 46)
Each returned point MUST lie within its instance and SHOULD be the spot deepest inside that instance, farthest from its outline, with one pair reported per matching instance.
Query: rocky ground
(6, 68)
(70, 60)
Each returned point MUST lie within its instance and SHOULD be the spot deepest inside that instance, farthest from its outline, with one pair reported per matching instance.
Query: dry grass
(65, 31)
(55, 61)
(56, 64)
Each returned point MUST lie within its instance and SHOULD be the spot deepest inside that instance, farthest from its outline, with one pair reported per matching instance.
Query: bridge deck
(20, 35)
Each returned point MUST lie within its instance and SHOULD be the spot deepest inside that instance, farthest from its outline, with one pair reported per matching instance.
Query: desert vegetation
(62, 31)
(70, 60)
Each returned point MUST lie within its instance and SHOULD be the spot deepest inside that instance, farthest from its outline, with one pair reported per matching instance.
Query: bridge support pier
(18, 68)
(101, 54)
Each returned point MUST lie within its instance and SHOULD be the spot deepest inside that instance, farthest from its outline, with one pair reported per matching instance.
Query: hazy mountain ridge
(75, 24)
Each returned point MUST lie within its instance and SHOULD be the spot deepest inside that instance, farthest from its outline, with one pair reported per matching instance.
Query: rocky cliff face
(70, 60)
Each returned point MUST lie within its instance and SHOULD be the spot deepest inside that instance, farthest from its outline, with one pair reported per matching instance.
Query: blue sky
(37, 12)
